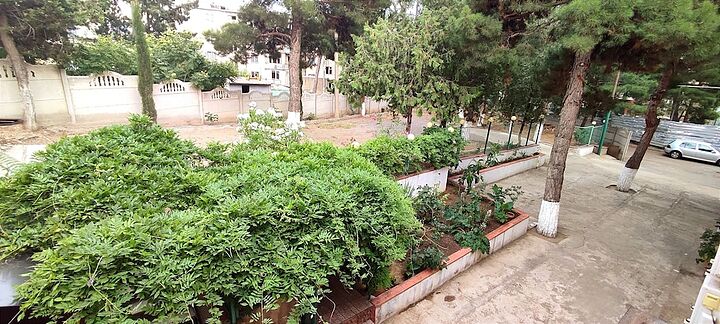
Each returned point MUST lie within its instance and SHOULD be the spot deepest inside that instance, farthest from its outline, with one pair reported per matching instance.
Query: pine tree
(672, 36)
(583, 27)
(145, 76)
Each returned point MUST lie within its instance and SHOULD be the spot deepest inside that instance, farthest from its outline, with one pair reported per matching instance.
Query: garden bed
(506, 169)
(503, 156)
(417, 287)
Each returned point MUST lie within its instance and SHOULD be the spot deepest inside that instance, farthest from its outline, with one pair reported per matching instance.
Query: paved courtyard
(618, 258)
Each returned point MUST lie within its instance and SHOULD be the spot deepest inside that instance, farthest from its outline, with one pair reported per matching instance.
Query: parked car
(691, 149)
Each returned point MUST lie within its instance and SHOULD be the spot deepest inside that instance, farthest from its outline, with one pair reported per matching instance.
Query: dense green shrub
(161, 225)
(133, 168)
(393, 155)
(436, 147)
(441, 147)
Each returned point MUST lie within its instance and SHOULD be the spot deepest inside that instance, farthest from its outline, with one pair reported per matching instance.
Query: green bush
(436, 147)
(393, 155)
(441, 147)
(160, 225)
(135, 168)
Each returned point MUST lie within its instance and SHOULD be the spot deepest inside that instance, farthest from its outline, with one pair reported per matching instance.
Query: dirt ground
(340, 131)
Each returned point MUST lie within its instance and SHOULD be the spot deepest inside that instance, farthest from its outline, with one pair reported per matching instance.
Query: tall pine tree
(145, 76)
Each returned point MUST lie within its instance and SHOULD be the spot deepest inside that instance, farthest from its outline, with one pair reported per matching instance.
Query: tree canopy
(174, 55)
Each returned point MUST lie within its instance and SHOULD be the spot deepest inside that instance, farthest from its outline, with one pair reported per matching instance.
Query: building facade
(213, 14)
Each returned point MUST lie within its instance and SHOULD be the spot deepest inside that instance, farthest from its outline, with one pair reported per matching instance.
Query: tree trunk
(674, 114)
(145, 77)
(296, 30)
(408, 124)
(522, 126)
(651, 124)
(21, 73)
(550, 207)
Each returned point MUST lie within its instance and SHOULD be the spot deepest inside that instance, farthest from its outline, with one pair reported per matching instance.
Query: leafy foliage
(468, 219)
(159, 16)
(174, 55)
(102, 54)
(393, 155)
(503, 201)
(41, 29)
(709, 242)
(429, 257)
(436, 147)
(140, 221)
(83, 179)
(423, 64)
(266, 129)
(441, 147)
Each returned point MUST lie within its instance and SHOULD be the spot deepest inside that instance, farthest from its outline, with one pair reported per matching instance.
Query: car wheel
(717, 162)
(675, 155)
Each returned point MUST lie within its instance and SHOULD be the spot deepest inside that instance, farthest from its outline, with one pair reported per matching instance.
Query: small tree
(426, 64)
(145, 75)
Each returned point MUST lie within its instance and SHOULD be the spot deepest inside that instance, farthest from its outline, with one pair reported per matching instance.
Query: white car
(691, 149)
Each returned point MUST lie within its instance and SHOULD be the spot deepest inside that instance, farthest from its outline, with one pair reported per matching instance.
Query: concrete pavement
(619, 257)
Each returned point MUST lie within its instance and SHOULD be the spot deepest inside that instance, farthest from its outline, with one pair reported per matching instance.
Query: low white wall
(503, 156)
(433, 178)
(110, 97)
(426, 286)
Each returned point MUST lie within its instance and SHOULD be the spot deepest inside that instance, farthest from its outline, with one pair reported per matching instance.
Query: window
(688, 145)
(233, 17)
(328, 70)
(255, 75)
(705, 148)
(275, 60)
(245, 88)
(254, 59)
(275, 75)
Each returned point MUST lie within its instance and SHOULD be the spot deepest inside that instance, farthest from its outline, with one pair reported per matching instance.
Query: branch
(284, 36)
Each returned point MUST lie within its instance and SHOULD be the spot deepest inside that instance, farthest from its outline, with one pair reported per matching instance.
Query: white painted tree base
(293, 120)
(625, 179)
(548, 218)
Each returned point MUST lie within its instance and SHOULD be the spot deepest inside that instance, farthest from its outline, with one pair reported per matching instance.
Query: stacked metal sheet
(669, 131)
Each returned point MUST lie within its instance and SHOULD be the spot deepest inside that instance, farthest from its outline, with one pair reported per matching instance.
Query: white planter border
(410, 291)
(503, 156)
(436, 178)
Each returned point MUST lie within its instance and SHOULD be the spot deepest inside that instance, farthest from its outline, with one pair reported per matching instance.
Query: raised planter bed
(414, 289)
(436, 178)
(504, 155)
(508, 169)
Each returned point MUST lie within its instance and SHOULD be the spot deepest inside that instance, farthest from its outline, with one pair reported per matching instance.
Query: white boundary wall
(110, 97)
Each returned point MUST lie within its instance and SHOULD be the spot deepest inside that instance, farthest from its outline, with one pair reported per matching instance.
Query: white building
(213, 14)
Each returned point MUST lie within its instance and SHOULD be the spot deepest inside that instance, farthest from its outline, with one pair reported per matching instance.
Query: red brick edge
(414, 280)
